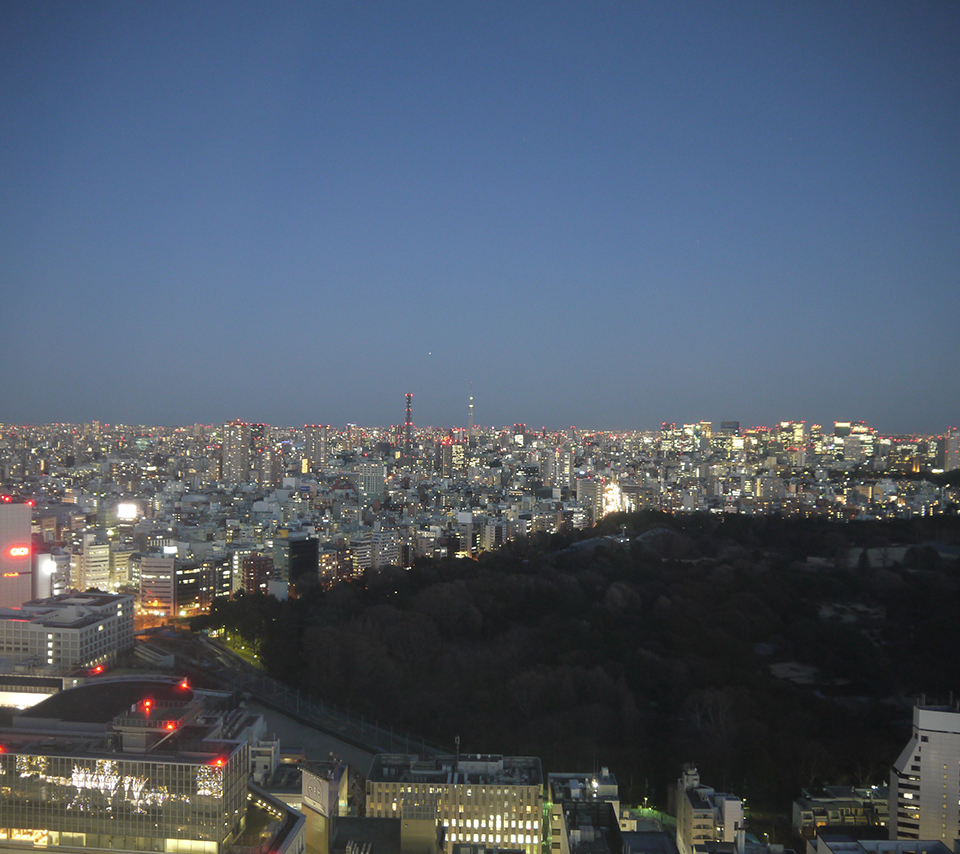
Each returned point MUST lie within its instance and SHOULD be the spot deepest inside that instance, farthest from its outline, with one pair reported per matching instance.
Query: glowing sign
(11, 575)
(19, 551)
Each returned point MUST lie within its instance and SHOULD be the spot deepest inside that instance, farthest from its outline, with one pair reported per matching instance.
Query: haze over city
(606, 215)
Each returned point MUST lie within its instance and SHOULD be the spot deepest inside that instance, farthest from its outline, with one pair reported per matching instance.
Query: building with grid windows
(925, 779)
(67, 631)
(496, 801)
(134, 765)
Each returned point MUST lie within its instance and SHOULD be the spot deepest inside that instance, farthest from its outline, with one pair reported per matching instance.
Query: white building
(925, 779)
(16, 555)
(91, 566)
(73, 630)
(704, 815)
(492, 800)
(158, 584)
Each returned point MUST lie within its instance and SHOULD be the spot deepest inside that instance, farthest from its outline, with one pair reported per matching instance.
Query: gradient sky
(600, 214)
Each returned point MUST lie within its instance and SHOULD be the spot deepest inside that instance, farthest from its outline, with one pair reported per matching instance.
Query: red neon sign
(11, 575)
(19, 551)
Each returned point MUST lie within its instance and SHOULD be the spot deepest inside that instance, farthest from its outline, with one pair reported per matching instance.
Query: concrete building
(235, 452)
(90, 568)
(370, 482)
(136, 765)
(490, 800)
(925, 779)
(585, 814)
(68, 631)
(841, 806)
(16, 555)
(704, 815)
(315, 445)
(843, 844)
(951, 449)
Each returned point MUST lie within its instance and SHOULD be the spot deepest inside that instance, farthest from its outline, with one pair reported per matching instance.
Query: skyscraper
(16, 554)
(316, 437)
(951, 451)
(235, 452)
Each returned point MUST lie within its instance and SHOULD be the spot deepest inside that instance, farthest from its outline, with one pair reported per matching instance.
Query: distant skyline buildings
(244, 443)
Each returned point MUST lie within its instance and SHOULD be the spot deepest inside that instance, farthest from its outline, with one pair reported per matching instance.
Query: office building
(315, 445)
(491, 800)
(16, 555)
(951, 449)
(925, 779)
(370, 482)
(90, 566)
(135, 765)
(296, 557)
(585, 813)
(68, 631)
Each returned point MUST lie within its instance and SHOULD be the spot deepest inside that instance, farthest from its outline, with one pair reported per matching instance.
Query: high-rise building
(235, 452)
(451, 456)
(91, 565)
(925, 779)
(371, 478)
(316, 439)
(16, 554)
(951, 449)
(296, 557)
(158, 584)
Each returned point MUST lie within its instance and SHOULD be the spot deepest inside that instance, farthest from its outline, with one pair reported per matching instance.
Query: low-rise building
(490, 800)
(67, 631)
(704, 815)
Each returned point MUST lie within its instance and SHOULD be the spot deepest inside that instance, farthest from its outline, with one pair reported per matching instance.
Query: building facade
(704, 815)
(129, 766)
(68, 631)
(16, 555)
(925, 779)
(492, 800)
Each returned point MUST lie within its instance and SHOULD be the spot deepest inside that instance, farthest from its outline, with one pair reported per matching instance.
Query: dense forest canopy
(775, 653)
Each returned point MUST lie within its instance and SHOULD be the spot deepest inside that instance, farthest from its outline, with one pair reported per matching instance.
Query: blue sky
(601, 214)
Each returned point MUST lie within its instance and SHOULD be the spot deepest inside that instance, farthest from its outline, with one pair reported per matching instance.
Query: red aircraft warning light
(185, 685)
(171, 725)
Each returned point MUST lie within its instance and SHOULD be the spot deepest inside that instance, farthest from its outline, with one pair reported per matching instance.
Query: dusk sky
(600, 214)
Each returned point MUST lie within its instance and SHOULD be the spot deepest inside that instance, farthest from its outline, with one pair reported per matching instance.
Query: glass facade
(144, 803)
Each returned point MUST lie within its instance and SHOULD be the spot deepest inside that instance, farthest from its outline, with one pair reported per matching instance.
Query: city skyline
(394, 430)
(608, 215)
